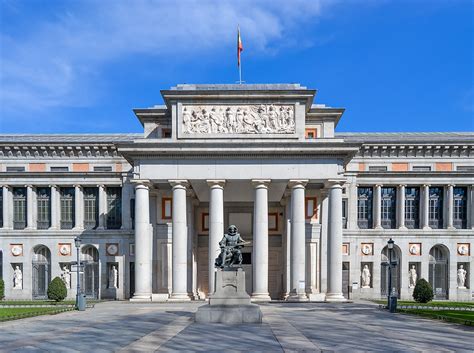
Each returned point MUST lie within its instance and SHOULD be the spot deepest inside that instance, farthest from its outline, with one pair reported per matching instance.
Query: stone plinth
(230, 303)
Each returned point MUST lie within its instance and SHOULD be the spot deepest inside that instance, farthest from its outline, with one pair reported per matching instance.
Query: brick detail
(361, 167)
(80, 167)
(444, 167)
(399, 167)
(37, 167)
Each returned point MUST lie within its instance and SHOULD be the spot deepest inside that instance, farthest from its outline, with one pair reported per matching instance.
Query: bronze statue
(230, 245)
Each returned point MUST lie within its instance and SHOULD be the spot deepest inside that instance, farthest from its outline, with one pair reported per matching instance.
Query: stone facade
(317, 207)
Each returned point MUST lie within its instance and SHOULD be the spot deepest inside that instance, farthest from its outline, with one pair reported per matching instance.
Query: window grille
(114, 207)
(15, 169)
(43, 197)
(364, 207)
(19, 208)
(91, 208)
(388, 207)
(412, 207)
(67, 208)
(59, 169)
(421, 168)
(436, 207)
(460, 208)
(103, 169)
(377, 168)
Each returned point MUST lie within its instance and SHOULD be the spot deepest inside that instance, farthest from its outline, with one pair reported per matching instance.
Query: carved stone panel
(251, 119)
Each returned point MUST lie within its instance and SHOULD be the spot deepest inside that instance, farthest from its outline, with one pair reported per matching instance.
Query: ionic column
(377, 207)
(260, 241)
(79, 207)
(287, 247)
(334, 289)
(449, 207)
(180, 241)
(102, 207)
(216, 225)
(143, 243)
(55, 216)
(7, 207)
(401, 207)
(425, 212)
(298, 241)
(29, 207)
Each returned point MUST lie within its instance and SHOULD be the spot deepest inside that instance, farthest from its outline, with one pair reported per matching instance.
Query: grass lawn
(43, 302)
(20, 313)
(460, 317)
(433, 303)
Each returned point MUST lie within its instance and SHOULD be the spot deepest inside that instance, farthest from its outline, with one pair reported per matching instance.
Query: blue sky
(82, 66)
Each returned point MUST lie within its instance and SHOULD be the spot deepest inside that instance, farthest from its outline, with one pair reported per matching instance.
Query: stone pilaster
(449, 207)
(425, 207)
(352, 207)
(55, 207)
(260, 241)
(102, 207)
(377, 207)
(126, 214)
(401, 207)
(79, 207)
(7, 207)
(30, 207)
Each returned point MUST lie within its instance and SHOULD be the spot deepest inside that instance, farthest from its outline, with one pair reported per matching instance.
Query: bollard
(81, 302)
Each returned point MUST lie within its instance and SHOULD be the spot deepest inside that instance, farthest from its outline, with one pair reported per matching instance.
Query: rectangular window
(166, 208)
(19, 208)
(436, 207)
(15, 169)
(91, 207)
(421, 168)
(310, 133)
(364, 207)
(412, 207)
(311, 208)
(377, 168)
(132, 212)
(103, 168)
(1, 207)
(166, 133)
(460, 207)
(465, 168)
(114, 207)
(43, 204)
(67, 207)
(344, 213)
(59, 169)
(388, 207)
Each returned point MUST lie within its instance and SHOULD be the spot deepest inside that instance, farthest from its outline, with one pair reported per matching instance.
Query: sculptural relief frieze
(238, 119)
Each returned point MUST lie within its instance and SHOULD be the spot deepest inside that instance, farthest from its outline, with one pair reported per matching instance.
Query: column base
(260, 297)
(426, 228)
(402, 228)
(179, 297)
(378, 227)
(451, 228)
(335, 298)
(141, 298)
(297, 297)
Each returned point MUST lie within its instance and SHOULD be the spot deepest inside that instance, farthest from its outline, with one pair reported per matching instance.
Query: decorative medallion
(238, 119)
(16, 249)
(64, 249)
(112, 249)
(464, 249)
(414, 248)
(367, 248)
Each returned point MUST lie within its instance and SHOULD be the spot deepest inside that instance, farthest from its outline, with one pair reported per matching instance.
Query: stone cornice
(419, 150)
(75, 151)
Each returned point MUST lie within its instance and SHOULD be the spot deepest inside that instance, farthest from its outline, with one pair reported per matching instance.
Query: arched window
(438, 271)
(90, 278)
(41, 271)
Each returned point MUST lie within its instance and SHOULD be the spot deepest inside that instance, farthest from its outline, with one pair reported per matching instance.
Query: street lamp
(390, 244)
(80, 302)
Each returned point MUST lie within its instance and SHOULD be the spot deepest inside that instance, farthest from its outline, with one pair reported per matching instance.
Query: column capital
(300, 183)
(179, 183)
(378, 185)
(141, 182)
(29, 186)
(426, 185)
(450, 185)
(216, 183)
(78, 186)
(334, 183)
(261, 183)
(402, 185)
(54, 186)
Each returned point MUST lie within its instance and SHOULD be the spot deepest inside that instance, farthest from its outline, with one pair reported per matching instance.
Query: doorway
(41, 272)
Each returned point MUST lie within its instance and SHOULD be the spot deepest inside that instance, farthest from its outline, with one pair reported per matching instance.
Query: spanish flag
(240, 47)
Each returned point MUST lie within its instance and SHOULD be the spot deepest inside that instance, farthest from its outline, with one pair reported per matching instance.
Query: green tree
(57, 290)
(423, 292)
(2, 289)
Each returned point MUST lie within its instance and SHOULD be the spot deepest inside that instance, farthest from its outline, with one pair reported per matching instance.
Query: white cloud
(55, 59)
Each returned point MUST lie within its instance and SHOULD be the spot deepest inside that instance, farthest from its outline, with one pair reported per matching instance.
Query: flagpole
(240, 72)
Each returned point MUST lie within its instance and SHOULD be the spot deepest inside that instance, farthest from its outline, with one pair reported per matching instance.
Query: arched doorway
(396, 257)
(90, 280)
(41, 271)
(438, 271)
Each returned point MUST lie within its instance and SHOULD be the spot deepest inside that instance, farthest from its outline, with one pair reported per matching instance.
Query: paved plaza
(127, 327)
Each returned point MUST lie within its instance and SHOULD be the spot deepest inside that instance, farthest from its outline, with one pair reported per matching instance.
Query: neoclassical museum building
(316, 207)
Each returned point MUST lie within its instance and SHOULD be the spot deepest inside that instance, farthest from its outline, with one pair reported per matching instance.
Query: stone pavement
(287, 327)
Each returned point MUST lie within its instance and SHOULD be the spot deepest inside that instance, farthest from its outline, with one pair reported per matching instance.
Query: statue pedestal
(230, 303)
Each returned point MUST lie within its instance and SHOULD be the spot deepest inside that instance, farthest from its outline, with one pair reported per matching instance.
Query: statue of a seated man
(230, 245)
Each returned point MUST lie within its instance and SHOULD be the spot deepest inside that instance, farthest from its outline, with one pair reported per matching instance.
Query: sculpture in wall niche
(412, 276)
(231, 245)
(462, 273)
(113, 277)
(17, 278)
(366, 277)
(239, 119)
(66, 276)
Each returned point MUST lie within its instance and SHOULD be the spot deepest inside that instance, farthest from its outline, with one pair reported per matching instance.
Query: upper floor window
(114, 207)
(377, 168)
(421, 168)
(459, 207)
(364, 207)
(91, 207)
(412, 207)
(132, 212)
(388, 207)
(465, 168)
(19, 208)
(436, 207)
(67, 207)
(311, 133)
(344, 213)
(105, 168)
(43, 201)
(15, 169)
(59, 169)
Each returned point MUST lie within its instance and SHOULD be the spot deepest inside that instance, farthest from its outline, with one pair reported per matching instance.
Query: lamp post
(80, 305)
(390, 251)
